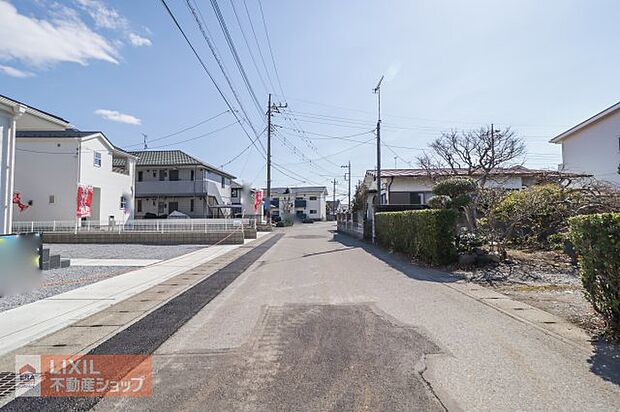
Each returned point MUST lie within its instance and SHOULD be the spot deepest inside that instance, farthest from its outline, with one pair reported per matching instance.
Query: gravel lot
(58, 281)
(119, 251)
(546, 280)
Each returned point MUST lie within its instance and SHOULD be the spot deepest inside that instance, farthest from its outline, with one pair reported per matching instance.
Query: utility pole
(271, 108)
(347, 177)
(334, 199)
(395, 164)
(377, 91)
(144, 140)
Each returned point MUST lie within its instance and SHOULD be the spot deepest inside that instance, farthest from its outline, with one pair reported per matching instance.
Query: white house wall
(112, 185)
(595, 150)
(44, 168)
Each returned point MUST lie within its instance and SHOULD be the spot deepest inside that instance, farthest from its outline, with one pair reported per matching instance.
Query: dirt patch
(544, 279)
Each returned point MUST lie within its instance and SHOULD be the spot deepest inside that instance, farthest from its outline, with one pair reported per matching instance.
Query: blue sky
(122, 67)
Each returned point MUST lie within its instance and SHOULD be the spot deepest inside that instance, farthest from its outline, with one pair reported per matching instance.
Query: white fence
(140, 225)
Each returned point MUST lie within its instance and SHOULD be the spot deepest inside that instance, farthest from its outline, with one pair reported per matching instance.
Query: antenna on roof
(144, 138)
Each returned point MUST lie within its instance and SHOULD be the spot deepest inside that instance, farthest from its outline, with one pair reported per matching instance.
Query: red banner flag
(84, 200)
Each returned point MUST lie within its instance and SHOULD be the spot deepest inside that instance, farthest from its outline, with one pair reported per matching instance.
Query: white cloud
(102, 15)
(39, 42)
(138, 40)
(14, 72)
(118, 116)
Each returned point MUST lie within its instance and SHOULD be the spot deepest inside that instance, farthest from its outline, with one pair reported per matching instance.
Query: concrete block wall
(147, 238)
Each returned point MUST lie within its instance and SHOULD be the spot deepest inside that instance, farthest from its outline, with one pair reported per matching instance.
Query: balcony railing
(170, 187)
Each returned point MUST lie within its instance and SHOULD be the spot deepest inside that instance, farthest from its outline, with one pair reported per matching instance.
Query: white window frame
(97, 159)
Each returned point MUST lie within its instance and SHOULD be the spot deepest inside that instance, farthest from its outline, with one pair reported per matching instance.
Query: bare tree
(475, 153)
(472, 153)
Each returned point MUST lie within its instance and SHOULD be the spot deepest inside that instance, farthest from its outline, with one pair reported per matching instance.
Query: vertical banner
(258, 199)
(84, 200)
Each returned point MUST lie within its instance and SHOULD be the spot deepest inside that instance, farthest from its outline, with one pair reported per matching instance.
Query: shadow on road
(605, 362)
(397, 262)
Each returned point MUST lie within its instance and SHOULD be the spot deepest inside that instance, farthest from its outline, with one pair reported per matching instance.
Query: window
(162, 175)
(123, 203)
(299, 198)
(223, 182)
(191, 205)
(234, 192)
(52, 200)
(161, 208)
(140, 176)
(191, 175)
(139, 205)
(154, 173)
(172, 206)
(313, 212)
(97, 159)
(174, 175)
(312, 197)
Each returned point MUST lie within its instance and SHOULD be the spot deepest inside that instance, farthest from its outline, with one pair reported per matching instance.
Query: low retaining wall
(264, 227)
(352, 229)
(148, 238)
(249, 233)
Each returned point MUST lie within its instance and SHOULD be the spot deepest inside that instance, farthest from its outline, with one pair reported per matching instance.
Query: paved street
(319, 323)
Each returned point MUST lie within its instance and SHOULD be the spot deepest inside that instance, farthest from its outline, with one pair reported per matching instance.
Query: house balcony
(171, 188)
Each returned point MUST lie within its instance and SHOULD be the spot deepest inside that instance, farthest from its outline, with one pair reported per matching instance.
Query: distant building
(169, 180)
(51, 164)
(244, 197)
(333, 208)
(415, 186)
(300, 202)
(593, 146)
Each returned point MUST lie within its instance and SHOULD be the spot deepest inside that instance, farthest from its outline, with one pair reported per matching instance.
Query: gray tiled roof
(172, 158)
(55, 133)
(67, 133)
(299, 189)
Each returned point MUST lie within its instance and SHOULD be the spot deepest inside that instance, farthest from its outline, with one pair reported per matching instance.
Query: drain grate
(7, 383)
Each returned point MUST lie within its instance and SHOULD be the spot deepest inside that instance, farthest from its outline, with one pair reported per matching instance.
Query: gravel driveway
(56, 281)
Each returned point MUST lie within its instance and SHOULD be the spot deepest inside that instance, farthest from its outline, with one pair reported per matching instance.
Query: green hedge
(597, 242)
(427, 235)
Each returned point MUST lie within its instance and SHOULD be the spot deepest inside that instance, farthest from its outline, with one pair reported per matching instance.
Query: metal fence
(138, 225)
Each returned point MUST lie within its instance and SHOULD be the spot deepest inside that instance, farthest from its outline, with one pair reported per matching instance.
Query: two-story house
(172, 180)
(50, 165)
(593, 146)
(300, 202)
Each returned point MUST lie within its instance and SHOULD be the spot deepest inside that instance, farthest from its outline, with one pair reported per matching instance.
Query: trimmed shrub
(596, 239)
(428, 235)
(459, 190)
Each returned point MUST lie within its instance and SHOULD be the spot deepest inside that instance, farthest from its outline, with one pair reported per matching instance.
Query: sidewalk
(27, 323)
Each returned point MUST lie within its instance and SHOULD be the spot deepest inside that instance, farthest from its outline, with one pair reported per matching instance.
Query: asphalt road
(322, 322)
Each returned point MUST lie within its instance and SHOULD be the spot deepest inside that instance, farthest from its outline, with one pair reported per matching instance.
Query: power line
(196, 137)
(233, 51)
(219, 90)
(247, 44)
(182, 130)
(273, 60)
(260, 52)
(220, 64)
